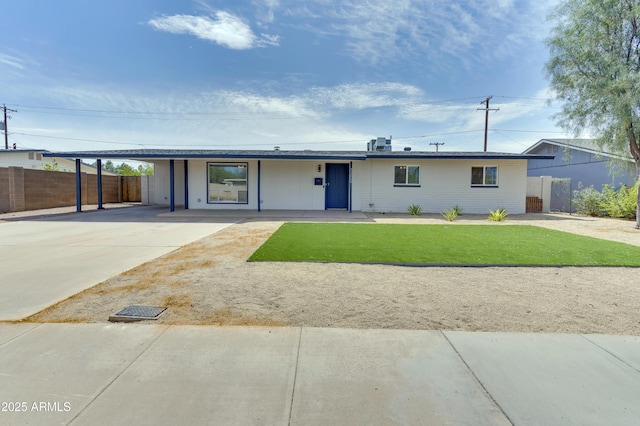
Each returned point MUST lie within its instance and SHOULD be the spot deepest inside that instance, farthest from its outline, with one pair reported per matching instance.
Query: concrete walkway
(155, 375)
(47, 258)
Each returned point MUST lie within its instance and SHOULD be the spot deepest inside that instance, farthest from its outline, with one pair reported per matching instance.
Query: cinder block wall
(46, 189)
(31, 189)
(4, 190)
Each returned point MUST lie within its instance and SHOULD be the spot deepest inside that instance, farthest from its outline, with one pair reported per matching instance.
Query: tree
(51, 167)
(108, 166)
(146, 169)
(594, 66)
(126, 169)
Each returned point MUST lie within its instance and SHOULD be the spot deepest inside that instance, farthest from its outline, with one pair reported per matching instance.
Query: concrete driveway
(46, 260)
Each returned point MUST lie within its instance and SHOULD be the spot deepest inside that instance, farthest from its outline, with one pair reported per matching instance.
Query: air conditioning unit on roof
(379, 144)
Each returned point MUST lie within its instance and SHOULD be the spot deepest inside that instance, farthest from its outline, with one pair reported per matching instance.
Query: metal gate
(561, 195)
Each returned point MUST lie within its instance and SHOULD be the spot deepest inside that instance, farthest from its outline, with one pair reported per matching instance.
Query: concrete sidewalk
(46, 260)
(154, 375)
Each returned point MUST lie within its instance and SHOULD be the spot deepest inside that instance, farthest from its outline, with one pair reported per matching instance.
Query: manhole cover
(137, 313)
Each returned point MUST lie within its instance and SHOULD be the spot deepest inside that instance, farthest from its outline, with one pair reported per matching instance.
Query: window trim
(484, 177)
(406, 176)
(224, 163)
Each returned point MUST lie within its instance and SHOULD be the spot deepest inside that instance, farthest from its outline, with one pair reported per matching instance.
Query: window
(227, 183)
(407, 175)
(484, 176)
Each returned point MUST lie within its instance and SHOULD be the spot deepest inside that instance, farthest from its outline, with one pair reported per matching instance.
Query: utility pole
(6, 132)
(486, 118)
(437, 144)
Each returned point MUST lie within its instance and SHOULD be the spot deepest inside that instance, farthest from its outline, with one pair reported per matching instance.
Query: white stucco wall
(443, 184)
(289, 185)
(540, 187)
(162, 190)
(285, 185)
(12, 158)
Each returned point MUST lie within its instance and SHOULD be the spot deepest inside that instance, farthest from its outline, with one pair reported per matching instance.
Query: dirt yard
(210, 282)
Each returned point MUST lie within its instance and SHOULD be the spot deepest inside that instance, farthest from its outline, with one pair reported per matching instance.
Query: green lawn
(441, 244)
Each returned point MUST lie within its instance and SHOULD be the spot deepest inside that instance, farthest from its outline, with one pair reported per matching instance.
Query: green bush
(621, 203)
(587, 201)
(451, 214)
(459, 210)
(414, 210)
(498, 215)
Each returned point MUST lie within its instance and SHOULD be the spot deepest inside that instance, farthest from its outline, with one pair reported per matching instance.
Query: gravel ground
(210, 282)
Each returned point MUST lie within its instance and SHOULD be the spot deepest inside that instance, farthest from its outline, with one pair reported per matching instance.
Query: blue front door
(336, 186)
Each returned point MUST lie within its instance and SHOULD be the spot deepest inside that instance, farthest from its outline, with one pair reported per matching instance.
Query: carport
(322, 160)
(98, 156)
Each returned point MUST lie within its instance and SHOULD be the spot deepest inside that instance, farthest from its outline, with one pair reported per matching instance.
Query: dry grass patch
(230, 316)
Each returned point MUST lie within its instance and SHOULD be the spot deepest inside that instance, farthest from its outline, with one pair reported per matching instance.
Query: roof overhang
(152, 154)
(566, 144)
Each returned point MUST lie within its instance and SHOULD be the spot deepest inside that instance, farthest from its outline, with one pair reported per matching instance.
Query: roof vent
(276, 148)
(407, 148)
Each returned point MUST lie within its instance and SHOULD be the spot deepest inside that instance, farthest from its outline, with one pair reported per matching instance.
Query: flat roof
(166, 154)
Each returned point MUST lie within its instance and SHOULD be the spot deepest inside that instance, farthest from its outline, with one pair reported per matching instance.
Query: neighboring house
(368, 181)
(34, 159)
(582, 161)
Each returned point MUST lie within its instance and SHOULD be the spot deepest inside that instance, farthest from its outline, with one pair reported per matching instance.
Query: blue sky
(254, 74)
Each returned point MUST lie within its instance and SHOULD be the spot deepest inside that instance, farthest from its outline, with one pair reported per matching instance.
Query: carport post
(350, 186)
(258, 185)
(78, 187)
(99, 166)
(172, 189)
(186, 184)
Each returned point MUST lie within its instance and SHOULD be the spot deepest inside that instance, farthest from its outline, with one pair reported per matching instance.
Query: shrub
(459, 210)
(498, 215)
(621, 203)
(587, 201)
(414, 209)
(451, 214)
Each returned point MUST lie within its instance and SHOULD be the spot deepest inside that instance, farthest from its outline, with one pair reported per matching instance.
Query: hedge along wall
(29, 189)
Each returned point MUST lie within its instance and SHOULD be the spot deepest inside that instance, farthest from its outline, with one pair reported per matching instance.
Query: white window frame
(406, 175)
(484, 177)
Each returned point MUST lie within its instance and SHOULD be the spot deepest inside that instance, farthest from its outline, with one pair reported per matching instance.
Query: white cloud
(439, 31)
(338, 117)
(266, 9)
(224, 29)
(362, 95)
(12, 61)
